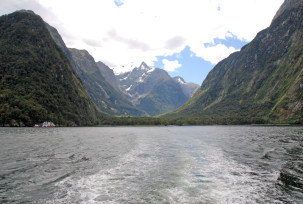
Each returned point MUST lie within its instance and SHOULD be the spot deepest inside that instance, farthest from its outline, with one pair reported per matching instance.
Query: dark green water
(213, 164)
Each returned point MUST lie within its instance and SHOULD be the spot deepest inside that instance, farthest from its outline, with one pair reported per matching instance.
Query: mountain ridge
(248, 87)
(103, 94)
(114, 95)
(142, 87)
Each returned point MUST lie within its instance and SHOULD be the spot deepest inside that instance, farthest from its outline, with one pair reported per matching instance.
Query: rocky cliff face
(261, 83)
(109, 75)
(286, 5)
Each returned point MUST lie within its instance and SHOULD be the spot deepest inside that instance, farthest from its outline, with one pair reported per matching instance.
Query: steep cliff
(37, 80)
(261, 83)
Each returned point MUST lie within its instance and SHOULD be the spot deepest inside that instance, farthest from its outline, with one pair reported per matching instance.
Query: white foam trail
(171, 169)
(117, 184)
(212, 177)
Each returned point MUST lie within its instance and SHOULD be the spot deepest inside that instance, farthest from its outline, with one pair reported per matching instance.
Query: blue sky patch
(228, 42)
(118, 2)
(194, 69)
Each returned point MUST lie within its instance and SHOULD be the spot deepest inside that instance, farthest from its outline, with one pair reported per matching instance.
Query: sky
(187, 38)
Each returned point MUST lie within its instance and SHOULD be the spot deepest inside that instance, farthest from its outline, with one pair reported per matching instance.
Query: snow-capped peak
(121, 69)
(144, 66)
(180, 80)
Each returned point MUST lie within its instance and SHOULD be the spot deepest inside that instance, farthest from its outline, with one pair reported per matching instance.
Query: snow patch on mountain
(125, 78)
(128, 88)
(151, 70)
(181, 81)
(144, 66)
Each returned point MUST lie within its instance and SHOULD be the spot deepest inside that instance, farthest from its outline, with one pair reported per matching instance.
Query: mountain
(37, 80)
(262, 83)
(104, 94)
(188, 88)
(286, 4)
(130, 93)
(164, 97)
(109, 75)
(140, 81)
(153, 90)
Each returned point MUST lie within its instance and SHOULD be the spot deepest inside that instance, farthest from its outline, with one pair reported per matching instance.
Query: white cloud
(213, 54)
(140, 30)
(171, 66)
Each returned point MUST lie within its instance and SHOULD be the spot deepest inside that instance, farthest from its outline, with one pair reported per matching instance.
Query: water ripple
(217, 164)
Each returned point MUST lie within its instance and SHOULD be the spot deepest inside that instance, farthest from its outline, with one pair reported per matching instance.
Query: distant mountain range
(33, 52)
(103, 94)
(41, 79)
(132, 93)
(153, 90)
(262, 83)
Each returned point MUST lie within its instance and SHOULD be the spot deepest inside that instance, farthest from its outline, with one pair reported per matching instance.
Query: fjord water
(212, 164)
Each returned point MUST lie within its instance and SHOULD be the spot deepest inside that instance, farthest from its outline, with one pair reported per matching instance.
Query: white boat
(45, 124)
(48, 124)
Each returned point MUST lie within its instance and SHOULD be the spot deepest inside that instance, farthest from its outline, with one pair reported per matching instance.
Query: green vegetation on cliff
(37, 82)
(262, 83)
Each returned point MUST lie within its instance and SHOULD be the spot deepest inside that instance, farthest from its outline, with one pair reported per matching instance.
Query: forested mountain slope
(37, 82)
(261, 83)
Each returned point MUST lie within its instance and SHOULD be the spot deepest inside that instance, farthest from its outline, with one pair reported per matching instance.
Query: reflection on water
(212, 164)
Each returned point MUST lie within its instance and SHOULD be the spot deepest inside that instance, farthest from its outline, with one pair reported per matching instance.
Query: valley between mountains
(43, 80)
